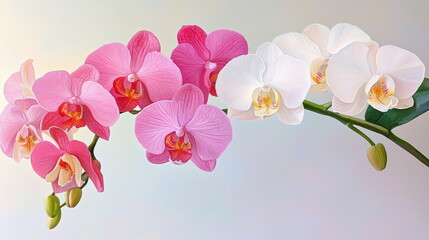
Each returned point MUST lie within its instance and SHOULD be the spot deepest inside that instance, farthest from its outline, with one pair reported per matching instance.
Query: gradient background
(311, 181)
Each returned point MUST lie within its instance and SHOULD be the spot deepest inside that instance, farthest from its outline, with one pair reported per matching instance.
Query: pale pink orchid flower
(20, 130)
(201, 57)
(76, 100)
(184, 129)
(18, 87)
(63, 166)
(137, 74)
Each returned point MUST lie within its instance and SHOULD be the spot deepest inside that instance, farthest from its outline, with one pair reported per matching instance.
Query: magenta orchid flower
(184, 129)
(200, 57)
(20, 130)
(137, 74)
(76, 100)
(18, 87)
(63, 166)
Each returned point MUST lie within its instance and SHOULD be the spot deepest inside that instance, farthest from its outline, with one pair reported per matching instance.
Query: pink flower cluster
(175, 123)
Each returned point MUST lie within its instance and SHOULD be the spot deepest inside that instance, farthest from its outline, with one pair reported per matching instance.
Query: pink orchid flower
(200, 57)
(184, 129)
(18, 87)
(64, 166)
(76, 100)
(136, 74)
(20, 130)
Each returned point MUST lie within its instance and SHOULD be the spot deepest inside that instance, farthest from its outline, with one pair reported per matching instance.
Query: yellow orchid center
(26, 140)
(382, 91)
(318, 70)
(266, 101)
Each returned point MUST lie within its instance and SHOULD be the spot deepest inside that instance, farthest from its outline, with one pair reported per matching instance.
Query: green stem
(360, 133)
(91, 146)
(321, 109)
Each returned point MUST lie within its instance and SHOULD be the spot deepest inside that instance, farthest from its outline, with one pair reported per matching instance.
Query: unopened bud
(97, 164)
(84, 177)
(377, 156)
(52, 205)
(73, 197)
(53, 222)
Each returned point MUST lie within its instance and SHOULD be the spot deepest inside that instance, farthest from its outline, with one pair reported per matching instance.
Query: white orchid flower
(259, 85)
(385, 78)
(317, 44)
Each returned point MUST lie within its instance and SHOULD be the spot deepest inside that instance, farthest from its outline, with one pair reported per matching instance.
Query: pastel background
(311, 181)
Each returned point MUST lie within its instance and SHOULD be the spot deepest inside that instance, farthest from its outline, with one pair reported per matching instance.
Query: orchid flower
(201, 57)
(20, 130)
(76, 100)
(317, 44)
(385, 78)
(136, 74)
(18, 87)
(259, 85)
(63, 166)
(184, 129)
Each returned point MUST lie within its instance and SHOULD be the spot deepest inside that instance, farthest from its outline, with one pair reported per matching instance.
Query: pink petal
(27, 73)
(11, 121)
(84, 73)
(45, 157)
(157, 159)
(35, 114)
(205, 165)
(211, 130)
(112, 61)
(55, 119)
(145, 100)
(195, 36)
(26, 103)
(225, 45)
(60, 137)
(189, 98)
(80, 151)
(161, 76)
(139, 46)
(154, 123)
(191, 65)
(101, 103)
(13, 88)
(94, 126)
(58, 189)
(53, 89)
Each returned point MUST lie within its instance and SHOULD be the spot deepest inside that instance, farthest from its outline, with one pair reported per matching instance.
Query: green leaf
(397, 117)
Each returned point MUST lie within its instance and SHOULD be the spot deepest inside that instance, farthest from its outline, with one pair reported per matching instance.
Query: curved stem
(91, 146)
(360, 133)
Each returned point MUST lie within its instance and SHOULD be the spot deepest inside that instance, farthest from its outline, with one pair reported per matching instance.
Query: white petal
(242, 115)
(292, 116)
(291, 80)
(347, 71)
(343, 34)
(405, 103)
(353, 108)
(404, 67)
(298, 45)
(238, 80)
(269, 52)
(319, 34)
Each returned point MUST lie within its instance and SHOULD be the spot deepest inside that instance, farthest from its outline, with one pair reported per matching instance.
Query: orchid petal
(45, 157)
(188, 98)
(353, 108)
(270, 53)
(405, 103)
(348, 70)
(238, 80)
(101, 103)
(27, 73)
(60, 137)
(205, 165)
(142, 43)
(53, 89)
(343, 34)
(35, 115)
(154, 123)
(112, 61)
(406, 69)
(161, 76)
(84, 73)
(291, 80)
(243, 115)
(157, 158)
(211, 130)
(225, 45)
(26, 103)
(195, 36)
(11, 121)
(319, 34)
(298, 45)
(292, 116)
(94, 126)
(13, 88)
(56, 188)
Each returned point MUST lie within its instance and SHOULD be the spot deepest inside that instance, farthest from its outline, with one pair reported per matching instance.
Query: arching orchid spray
(175, 123)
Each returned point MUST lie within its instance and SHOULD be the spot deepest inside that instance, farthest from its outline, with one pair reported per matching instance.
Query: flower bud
(52, 205)
(73, 197)
(377, 156)
(53, 222)
(84, 177)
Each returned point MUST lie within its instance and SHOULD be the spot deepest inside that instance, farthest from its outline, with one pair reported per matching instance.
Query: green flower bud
(377, 156)
(84, 177)
(53, 222)
(52, 205)
(73, 197)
